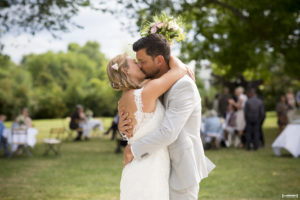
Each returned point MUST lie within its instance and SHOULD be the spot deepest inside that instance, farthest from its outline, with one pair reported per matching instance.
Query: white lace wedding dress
(146, 179)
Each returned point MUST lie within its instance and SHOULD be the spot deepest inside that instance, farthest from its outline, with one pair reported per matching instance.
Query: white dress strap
(138, 99)
(139, 105)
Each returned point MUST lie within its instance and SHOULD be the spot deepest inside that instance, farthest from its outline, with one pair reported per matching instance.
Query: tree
(64, 79)
(238, 36)
(32, 16)
(15, 86)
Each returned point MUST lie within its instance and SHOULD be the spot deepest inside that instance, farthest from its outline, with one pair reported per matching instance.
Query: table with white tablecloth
(30, 139)
(289, 139)
(89, 124)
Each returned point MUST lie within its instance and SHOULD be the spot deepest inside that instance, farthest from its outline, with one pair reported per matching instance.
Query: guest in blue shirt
(3, 140)
(213, 128)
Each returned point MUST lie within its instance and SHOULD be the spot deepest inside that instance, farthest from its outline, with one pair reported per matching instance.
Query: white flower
(173, 26)
(115, 66)
(159, 24)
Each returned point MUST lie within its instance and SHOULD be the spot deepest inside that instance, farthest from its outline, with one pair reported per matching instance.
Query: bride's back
(143, 112)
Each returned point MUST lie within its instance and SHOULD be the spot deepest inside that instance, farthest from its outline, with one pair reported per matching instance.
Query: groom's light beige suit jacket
(180, 131)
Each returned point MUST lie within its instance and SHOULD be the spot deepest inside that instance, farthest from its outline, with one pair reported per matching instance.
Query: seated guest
(28, 120)
(290, 98)
(3, 140)
(23, 120)
(76, 118)
(113, 127)
(121, 142)
(84, 122)
(230, 126)
(213, 129)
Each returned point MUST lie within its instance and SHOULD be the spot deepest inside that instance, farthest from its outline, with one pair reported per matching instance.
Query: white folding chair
(19, 137)
(53, 143)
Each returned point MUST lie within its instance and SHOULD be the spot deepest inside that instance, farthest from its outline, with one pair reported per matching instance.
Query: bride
(146, 179)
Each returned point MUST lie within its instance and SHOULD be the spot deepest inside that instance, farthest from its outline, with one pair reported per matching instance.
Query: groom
(180, 129)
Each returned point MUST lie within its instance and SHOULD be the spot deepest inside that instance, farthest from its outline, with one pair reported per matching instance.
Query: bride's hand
(176, 64)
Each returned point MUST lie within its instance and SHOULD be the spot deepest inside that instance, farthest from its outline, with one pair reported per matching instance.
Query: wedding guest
(15, 123)
(76, 117)
(121, 143)
(213, 129)
(298, 99)
(240, 117)
(3, 140)
(216, 103)
(113, 127)
(281, 110)
(254, 115)
(230, 125)
(28, 121)
(290, 98)
(291, 102)
(223, 102)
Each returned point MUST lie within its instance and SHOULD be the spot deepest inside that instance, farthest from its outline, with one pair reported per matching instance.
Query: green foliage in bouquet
(168, 26)
(21, 120)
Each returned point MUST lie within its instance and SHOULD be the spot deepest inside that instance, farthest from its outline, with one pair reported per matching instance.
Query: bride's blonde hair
(117, 73)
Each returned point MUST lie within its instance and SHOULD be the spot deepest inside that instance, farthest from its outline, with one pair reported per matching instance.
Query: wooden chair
(53, 143)
(19, 137)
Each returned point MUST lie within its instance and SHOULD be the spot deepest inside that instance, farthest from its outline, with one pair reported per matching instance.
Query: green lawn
(90, 170)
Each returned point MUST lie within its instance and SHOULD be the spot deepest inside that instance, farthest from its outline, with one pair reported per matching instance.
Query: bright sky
(100, 27)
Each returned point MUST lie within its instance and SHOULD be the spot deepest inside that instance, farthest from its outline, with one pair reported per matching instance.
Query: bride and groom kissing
(160, 115)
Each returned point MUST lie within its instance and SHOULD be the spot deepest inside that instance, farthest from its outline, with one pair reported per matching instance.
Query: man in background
(254, 115)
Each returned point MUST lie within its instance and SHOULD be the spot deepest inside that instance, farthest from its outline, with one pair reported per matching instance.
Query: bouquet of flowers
(169, 27)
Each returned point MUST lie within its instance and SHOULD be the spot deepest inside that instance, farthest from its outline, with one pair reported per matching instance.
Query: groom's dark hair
(155, 44)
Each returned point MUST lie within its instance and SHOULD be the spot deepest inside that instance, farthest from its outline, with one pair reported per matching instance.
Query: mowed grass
(90, 170)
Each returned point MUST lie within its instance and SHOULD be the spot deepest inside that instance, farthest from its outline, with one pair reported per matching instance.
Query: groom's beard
(152, 75)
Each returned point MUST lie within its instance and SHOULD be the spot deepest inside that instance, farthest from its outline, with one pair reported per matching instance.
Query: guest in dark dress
(223, 103)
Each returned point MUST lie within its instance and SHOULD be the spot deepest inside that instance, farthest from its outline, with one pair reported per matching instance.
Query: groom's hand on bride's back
(124, 124)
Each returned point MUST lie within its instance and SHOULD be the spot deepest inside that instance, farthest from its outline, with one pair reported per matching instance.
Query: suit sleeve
(181, 103)
(262, 112)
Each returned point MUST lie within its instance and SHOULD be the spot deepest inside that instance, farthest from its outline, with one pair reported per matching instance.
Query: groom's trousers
(190, 193)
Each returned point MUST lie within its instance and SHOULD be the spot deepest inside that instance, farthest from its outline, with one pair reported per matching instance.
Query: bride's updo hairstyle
(117, 73)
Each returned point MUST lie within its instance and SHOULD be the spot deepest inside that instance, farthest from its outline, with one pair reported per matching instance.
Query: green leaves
(241, 34)
(52, 84)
